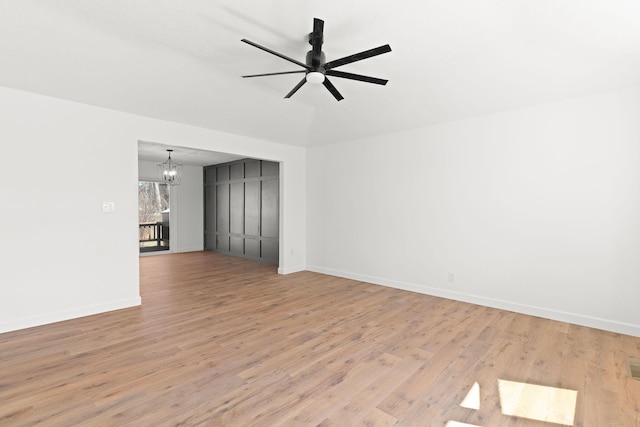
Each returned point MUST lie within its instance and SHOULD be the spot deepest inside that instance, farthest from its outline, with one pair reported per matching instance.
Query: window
(153, 216)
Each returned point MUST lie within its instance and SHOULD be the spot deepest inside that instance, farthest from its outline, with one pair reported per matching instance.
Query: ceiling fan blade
(332, 89)
(273, 52)
(358, 56)
(275, 74)
(298, 86)
(358, 77)
(317, 35)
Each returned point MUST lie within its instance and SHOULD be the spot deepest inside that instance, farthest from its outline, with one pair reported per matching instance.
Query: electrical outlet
(452, 277)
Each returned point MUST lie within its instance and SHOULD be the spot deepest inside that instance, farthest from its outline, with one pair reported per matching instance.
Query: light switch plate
(108, 207)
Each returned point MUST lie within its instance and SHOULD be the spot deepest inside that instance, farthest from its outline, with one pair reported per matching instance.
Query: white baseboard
(190, 249)
(562, 316)
(29, 322)
(289, 270)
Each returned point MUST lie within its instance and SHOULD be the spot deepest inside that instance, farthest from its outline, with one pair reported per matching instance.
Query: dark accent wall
(241, 215)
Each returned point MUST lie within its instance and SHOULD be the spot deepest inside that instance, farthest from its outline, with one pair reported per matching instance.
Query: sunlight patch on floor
(535, 402)
(472, 399)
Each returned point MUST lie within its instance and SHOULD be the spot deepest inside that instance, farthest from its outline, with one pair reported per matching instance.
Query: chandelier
(170, 171)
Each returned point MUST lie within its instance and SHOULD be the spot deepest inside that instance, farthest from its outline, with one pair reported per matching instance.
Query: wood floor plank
(222, 341)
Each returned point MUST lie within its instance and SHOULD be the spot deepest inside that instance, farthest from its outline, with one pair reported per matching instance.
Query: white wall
(187, 207)
(535, 210)
(60, 256)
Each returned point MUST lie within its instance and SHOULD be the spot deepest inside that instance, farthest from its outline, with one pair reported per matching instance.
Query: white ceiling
(155, 152)
(181, 60)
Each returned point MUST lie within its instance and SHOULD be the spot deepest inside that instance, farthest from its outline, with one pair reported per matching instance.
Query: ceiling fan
(316, 69)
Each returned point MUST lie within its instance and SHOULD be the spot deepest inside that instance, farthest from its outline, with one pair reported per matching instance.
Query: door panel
(252, 208)
(222, 173)
(252, 169)
(210, 176)
(222, 208)
(270, 169)
(237, 245)
(269, 208)
(252, 248)
(236, 208)
(269, 250)
(209, 220)
(222, 243)
(236, 171)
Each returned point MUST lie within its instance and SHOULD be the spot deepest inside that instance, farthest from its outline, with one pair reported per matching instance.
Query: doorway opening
(153, 216)
(242, 200)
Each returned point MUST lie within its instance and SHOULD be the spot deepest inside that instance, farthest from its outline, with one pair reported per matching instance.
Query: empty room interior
(295, 213)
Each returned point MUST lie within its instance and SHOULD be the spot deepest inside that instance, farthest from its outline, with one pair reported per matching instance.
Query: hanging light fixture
(170, 171)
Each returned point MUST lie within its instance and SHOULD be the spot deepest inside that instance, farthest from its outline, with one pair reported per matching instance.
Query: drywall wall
(60, 256)
(535, 211)
(186, 206)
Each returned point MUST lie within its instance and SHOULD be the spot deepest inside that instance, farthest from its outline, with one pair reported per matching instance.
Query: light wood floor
(221, 341)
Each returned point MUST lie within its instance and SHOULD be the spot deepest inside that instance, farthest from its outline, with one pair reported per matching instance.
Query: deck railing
(154, 236)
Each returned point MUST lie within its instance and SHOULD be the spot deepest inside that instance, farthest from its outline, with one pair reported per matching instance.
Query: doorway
(153, 216)
(242, 209)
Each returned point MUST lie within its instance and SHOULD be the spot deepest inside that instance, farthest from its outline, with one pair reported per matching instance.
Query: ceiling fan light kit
(316, 69)
(314, 77)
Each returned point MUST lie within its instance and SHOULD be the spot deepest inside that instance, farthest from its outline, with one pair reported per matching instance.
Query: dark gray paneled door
(241, 209)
